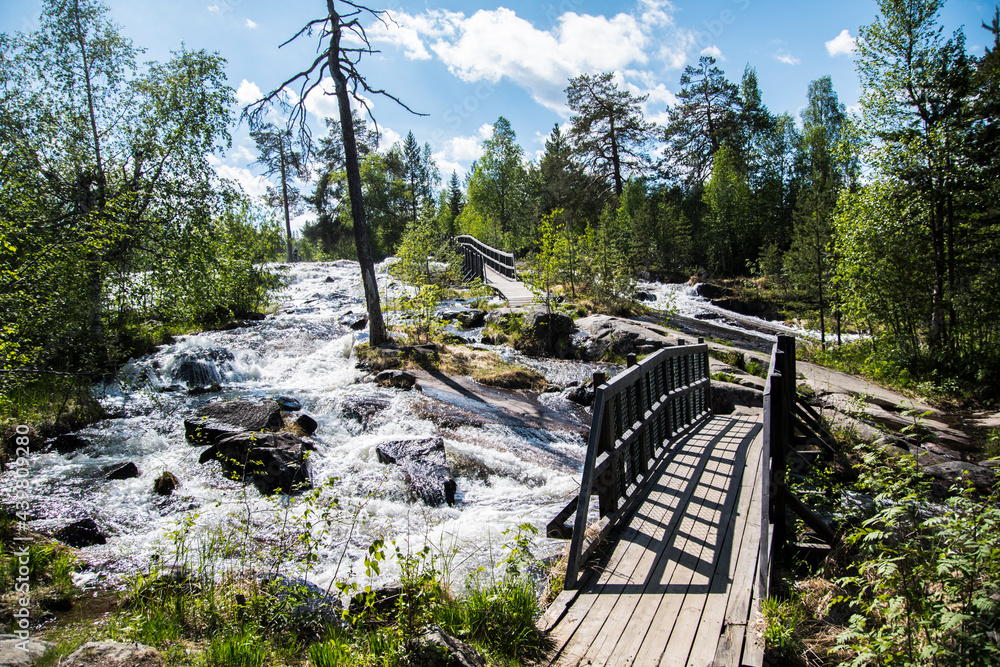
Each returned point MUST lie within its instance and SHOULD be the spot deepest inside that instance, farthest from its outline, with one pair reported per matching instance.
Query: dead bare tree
(339, 61)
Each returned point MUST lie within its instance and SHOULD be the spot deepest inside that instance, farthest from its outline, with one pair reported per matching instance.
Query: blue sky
(465, 64)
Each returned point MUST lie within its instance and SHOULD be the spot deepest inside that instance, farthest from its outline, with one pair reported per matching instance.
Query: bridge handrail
(637, 415)
(476, 255)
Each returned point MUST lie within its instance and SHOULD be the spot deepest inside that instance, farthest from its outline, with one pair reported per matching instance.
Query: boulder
(272, 461)
(381, 602)
(124, 471)
(619, 336)
(307, 603)
(20, 652)
(396, 379)
(726, 396)
(199, 368)
(423, 461)
(82, 533)
(288, 404)
(222, 418)
(644, 296)
(951, 473)
(582, 395)
(709, 291)
(354, 321)
(306, 423)
(251, 315)
(752, 307)
(472, 318)
(436, 648)
(113, 654)
(69, 443)
(166, 483)
(363, 409)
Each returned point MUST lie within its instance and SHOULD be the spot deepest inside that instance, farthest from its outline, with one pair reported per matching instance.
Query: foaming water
(505, 476)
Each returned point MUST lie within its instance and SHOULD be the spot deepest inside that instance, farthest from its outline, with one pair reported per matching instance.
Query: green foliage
(781, 626)
(925, 584)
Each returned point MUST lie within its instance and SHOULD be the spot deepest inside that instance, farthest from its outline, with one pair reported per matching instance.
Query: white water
(685, 300)
(505, 477)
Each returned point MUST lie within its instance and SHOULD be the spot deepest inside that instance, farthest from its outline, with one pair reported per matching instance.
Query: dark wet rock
(250, 315)
(69, 443)
(125, 471)
(19, 652)
(753, 307)
(166, 483)
(113, 654)
(582, 395)
(364, 409)
(354, 321)
(467, 317)
(210, 389)
(423, 462)
(706, 316)
(82, 533)
(306, 423)
(644, 296)
(381, 602)
(959, 473)
(726, 396)
(709, 291)
(533, 330)
(396, 379)
(329, 279)
(436, 648)
(309, 606)
(288, 403)
(222, 418)
(272, 461)
(990, 463)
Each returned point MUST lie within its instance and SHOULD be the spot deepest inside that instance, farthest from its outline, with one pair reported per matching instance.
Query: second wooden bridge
(494, 267)
(669, 565)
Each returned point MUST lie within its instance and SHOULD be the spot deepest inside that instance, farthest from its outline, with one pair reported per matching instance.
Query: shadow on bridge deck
(676, 585)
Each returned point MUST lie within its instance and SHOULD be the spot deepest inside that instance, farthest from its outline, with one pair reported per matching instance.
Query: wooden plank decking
(513, 290)
(676, 587)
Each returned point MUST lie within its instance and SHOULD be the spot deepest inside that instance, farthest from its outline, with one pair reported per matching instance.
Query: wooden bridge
(669, 565)
(494, 267)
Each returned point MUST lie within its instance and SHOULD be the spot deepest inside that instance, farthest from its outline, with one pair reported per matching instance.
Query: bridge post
(780, 426)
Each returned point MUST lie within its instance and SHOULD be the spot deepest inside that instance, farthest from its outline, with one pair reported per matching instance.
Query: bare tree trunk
(376, 326)
(284, 199)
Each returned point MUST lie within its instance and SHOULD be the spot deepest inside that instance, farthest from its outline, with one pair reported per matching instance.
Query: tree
(729, 234)
(279, 157)
(455, 199)
(608, 129)
(562, 184)
(706, 118)
(419, 173)
(339, 59)
(497, 186)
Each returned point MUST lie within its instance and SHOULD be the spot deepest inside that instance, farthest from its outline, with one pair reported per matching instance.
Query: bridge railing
(789, 424)
(476, 256)
(637, 416)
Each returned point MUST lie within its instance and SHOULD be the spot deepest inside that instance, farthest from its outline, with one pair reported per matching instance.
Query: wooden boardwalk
(678, 585)
(513, 290)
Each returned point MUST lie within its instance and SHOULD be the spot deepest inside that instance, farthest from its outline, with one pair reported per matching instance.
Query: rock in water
(306, 423)
(288, 404)
(272, 461)
(396, 379)
(125, 471)
(69, 443)
(424, 465)
(222, 418)
(166, 483)
(113, 654)
(82, 533)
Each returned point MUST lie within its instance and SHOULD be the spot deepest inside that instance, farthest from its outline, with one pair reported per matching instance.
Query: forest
(116, 230)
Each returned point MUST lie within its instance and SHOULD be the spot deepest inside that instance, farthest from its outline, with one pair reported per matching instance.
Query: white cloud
(783, 56)
(322, 101)
(254, 186)
(713, 51)
(251, 24)
(215, 9)
(841, 45)
(248, 92)
(491, 45)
